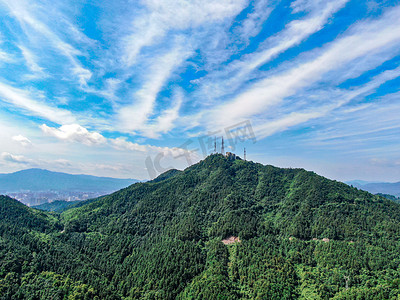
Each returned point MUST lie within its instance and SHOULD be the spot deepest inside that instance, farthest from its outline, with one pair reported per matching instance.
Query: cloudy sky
(130, 88)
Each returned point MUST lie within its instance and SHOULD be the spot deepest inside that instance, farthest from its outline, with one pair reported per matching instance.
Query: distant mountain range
(391, 188)
(42, 180)
(37, 186)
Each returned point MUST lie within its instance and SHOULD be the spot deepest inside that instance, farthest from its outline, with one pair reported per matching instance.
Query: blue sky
(130, 88)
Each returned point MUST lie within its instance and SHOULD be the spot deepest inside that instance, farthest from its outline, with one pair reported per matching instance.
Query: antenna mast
(244, 154)
(215, 144)
(222, 147)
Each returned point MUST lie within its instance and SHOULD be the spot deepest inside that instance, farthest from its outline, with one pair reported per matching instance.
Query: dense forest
(58, 205)
(221, 229)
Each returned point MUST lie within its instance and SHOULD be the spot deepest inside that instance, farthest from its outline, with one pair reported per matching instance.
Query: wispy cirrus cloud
(166, 120)
(238, 72)
(134, 118)
(22, 140)
(31, 62)
(157, 18)
(327, 102)
(30, 18)
(24, 101)
(366, 38)
(356, 126)
(252, 25)
(5, 57)
(158, 23)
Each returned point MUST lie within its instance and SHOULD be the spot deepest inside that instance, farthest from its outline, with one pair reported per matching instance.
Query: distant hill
(359, 182)
(42, 180)
(221, 229)
(377, 187)
(390, 197)
(14, 212)
(58, 205)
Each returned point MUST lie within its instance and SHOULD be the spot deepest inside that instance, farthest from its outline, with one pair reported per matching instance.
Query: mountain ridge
(36, 179)
(390, 188)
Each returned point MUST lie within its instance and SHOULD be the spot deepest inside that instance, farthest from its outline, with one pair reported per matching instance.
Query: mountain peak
(32, 170)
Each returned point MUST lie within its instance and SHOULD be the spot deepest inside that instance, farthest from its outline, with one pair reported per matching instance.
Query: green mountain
(390, 197)
(58, 205)
(221, 229)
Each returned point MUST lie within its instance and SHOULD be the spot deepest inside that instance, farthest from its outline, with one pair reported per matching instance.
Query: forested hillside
(58, 205)
(221, 229)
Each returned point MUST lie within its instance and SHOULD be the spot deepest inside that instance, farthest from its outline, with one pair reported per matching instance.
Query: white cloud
(22, 140)
(294, 118)
(239, 71)
(18, 159)
(5, 57)
(63, 162)
(368, 38)
(166, 119)
(296, 31)
(74, 133)
(123, 144)
(32, 22)
(79, 134)
(158, 17)
(31, 60)
(83, 74)
(252, 25)
(378, 121)
(134, 118)
(22, 99)
(327, 102)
